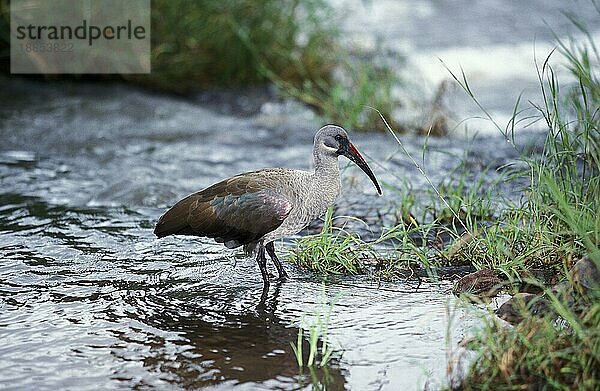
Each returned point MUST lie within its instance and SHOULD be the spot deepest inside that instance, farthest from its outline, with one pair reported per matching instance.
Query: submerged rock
(483, 282)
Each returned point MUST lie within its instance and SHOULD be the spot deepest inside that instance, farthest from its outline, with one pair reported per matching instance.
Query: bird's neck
(325, 184)
(326, 167)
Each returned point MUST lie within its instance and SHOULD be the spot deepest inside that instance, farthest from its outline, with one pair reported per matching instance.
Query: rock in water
(520, 305)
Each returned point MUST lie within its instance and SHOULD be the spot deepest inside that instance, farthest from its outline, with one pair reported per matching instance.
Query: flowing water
(90, 299)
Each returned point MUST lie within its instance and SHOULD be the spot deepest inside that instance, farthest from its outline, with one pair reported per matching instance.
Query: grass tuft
(328, 252)
(318, 354)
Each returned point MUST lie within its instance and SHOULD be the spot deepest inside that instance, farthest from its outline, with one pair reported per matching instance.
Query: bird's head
(333, 140)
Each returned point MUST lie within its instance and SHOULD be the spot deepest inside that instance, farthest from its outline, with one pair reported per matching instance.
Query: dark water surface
(90, 299)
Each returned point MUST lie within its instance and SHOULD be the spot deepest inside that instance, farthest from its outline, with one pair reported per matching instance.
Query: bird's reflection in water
(213, 347)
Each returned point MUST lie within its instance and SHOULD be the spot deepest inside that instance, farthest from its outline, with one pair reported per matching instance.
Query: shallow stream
(90, 298)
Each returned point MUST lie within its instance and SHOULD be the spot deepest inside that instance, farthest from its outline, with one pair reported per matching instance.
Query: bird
(253, 209)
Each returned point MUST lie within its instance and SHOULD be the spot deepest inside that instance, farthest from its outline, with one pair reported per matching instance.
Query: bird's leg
(262, 265)
(260, 307)
(271, 250)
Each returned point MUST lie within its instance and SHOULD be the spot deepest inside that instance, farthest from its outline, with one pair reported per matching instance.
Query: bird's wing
(236, 211)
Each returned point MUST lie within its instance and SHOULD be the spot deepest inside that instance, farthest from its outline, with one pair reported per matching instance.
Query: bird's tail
(175, 220)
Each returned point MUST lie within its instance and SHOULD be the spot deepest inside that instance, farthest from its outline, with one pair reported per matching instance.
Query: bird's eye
(339, 137)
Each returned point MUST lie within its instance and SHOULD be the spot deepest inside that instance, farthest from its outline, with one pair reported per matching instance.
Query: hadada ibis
(256, 208)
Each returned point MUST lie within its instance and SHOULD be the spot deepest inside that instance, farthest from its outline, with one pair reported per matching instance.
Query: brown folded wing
(236, 211)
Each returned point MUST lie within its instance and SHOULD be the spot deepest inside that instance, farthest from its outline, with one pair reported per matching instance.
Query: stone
(585, 278)
(521, 304)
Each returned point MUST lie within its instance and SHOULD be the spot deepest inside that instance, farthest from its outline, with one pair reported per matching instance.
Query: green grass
(320, 349)
(558, 351)
(313, 355)
(468, 201)
(393, 255)
(558, 224)
(538, 355)
(329, 252)
(346, 98)
(228, 43)
(291, 43)
(420, 238)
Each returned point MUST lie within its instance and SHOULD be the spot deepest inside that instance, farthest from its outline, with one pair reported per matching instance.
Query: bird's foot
(279, 278)
(283, 278)
(282, 274)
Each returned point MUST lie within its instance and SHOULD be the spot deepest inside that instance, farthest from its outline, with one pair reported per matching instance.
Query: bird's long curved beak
(352, 153)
